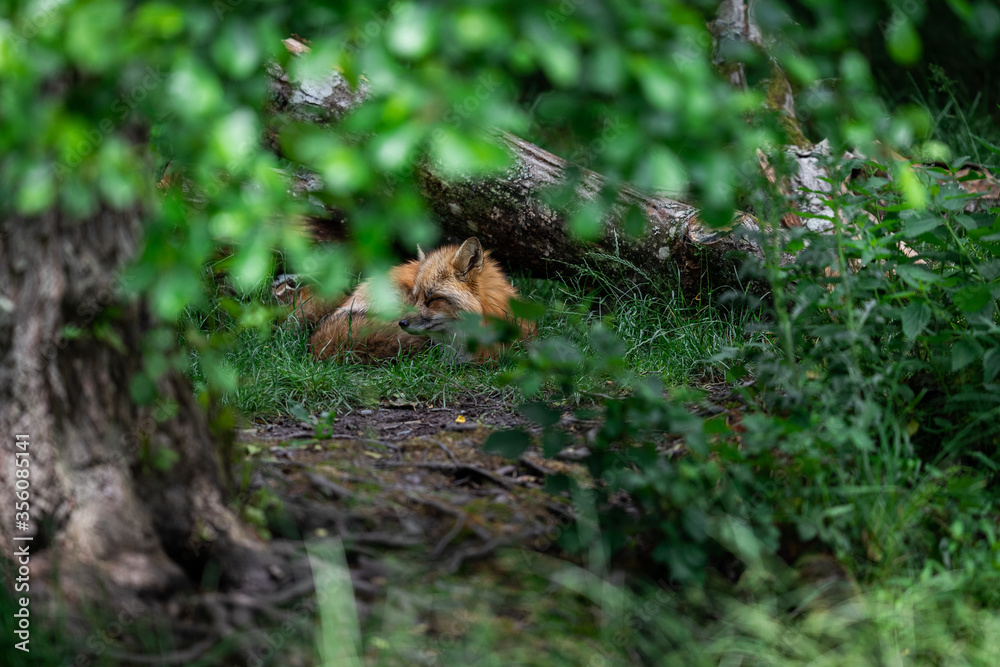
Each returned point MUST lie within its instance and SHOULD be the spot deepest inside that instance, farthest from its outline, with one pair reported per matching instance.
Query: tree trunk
(102, 517)
(734, 23)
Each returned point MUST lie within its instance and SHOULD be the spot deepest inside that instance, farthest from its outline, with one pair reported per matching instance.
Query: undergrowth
(868, 443)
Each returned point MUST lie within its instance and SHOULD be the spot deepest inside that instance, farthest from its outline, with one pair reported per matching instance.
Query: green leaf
(972, 298)
(411, 32)
(916, 276)
(475, 28)
(915, 318)
(394, 150)
(300, 413)
(36, 192)
(606, 69)
(661, 89)
(539, 413)
(343, 171)
(116, 173)
(635, 222)
(967, 221)
(553, 442)
(559, 483)
(459, 155)
(510, 444)
(193, 91)
(527, 310)
(902, 40)
(686, 560)
(737, 536)
(160, 19)
(991, 364)
(913, 191)
(964, 352)
(164, 458)
(236, 50)
(921, 223)
(252, 263)
(235, 137)
(587, 223)
(174, 291)
(142, 389)
(660, 170)
(560, 61)
(92, 39)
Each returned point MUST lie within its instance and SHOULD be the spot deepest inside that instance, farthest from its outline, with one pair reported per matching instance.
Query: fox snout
(417, 323)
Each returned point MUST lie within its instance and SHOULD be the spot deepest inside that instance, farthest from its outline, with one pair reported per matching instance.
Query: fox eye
(433, 299)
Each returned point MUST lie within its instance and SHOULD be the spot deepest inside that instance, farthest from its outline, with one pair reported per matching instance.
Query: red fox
(439, 285)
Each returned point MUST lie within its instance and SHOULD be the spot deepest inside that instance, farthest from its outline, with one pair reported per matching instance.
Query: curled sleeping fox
(437, 287)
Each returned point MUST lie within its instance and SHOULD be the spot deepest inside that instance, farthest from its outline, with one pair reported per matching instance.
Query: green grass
(966, 127)
(277, 374)
(664, 333)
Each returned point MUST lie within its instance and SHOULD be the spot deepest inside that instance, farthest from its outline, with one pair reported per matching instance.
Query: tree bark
(103, 518)
(734, 22)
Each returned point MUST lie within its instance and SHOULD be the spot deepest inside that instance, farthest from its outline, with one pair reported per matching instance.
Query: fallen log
(511, 216)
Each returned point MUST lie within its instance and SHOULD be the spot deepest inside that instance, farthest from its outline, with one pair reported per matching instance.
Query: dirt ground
(408, 478)
(393, 423)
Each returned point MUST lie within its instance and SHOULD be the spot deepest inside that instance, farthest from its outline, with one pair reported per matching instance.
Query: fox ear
(420, 253)
(469, 259)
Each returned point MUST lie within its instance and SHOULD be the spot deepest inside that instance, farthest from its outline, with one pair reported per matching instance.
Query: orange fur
(437, 287)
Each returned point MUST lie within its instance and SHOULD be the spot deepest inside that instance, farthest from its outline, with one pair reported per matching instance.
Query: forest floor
(454, 553)
(457, 555)
(413, 498)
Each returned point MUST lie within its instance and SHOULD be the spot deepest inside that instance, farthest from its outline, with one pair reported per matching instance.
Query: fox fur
(436, 287)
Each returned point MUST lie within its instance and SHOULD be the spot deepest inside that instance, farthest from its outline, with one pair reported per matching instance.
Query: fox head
(446, 285)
